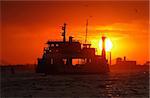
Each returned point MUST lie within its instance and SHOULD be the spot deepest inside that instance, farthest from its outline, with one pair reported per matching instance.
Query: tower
(103, 47)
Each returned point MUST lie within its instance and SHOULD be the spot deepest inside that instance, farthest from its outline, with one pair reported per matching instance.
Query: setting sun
(124, 25)
(108, 44)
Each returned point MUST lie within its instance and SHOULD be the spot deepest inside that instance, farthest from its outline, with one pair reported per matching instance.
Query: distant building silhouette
(124, 62)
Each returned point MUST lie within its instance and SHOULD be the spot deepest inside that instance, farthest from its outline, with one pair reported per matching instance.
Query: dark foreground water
(114, 85)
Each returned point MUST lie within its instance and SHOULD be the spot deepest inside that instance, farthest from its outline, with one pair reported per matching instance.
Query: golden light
(108, 44)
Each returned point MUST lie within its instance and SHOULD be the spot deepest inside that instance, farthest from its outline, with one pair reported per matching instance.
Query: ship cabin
(59, 52)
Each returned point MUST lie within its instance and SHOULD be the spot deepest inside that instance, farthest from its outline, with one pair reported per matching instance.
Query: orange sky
(26, 26)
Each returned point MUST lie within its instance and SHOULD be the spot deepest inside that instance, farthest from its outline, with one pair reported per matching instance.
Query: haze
(26, 26)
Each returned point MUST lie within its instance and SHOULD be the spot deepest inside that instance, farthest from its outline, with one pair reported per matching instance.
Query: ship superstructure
(59, 58)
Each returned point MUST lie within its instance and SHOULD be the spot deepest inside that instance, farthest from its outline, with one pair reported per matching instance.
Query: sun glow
(108, 44)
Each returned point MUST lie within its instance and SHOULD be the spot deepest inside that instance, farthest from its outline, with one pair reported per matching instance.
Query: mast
(86, 31)
(64, 32)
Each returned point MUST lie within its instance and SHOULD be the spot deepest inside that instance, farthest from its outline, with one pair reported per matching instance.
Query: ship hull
(79, 69)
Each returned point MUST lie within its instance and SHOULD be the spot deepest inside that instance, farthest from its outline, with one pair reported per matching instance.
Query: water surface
(114, 85)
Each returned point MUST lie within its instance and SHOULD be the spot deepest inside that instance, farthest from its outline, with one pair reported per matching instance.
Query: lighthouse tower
(103, 47)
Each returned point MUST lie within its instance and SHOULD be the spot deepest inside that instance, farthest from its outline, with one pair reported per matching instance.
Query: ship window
(52, 61)
(75, 62)
(65, 61)
(85, 60)
(82, 61)
(90, 60)
(50, 50)
(57, 45)
(52, 45)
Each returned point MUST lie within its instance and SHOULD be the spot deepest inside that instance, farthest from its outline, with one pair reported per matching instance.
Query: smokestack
(103, 47)
(70, 39)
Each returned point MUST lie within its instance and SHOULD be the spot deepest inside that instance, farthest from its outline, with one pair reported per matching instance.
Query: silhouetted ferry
(59, 56)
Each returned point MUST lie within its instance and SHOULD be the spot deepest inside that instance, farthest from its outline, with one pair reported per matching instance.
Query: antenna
(86, 31)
